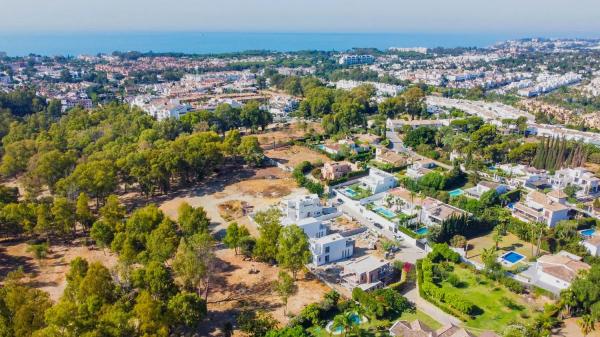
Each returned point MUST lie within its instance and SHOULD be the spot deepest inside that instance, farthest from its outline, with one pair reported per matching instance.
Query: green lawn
(499, 305)
(423, 317)
(361, 193)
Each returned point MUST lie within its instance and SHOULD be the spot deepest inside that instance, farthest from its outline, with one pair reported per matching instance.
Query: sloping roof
(561, 266)
(594, 240)
(542, 199)
(453, 331)
(559, 194)
(414, 329)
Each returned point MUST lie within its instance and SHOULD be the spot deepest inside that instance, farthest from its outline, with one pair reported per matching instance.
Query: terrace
(356, 191)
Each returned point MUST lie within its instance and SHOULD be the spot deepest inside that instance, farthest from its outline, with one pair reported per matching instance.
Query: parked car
(378, 225)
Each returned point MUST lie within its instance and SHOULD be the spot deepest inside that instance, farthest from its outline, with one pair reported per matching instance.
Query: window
(326, 250)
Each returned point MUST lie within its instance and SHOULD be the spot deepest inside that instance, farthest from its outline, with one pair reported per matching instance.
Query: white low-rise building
(559, 270)
(485, 186)
(302, 207)
(546, 208)
(378, 181)
(592, 244)
(585, 180)
(331, 248)
(313, 228)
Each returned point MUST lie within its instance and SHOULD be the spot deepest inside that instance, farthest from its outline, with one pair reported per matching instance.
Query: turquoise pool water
(456, 192)
(512, 257)
(385, 212)
(350, 192)
(422, 231)
(588, 232)
(354, 318)
(321, 146)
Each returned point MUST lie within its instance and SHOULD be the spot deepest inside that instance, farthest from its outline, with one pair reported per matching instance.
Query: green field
(499, 305)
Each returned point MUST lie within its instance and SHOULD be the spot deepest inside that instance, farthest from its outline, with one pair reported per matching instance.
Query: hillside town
(402, 192)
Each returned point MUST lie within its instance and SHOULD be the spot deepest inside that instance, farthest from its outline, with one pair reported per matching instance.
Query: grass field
(509, 242)
(423, 317)
(499, 306)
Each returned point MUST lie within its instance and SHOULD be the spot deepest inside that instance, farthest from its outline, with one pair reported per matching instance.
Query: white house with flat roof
(331, 248)
(378, 181)
(485, 186)
(302, 207)
(587, 182)
(313, 228)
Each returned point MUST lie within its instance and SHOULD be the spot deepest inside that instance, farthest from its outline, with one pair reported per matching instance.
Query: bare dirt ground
(288, 133)
(49, 274)
(295, 154)
(235, 288)
(571, 329)
(259, 189)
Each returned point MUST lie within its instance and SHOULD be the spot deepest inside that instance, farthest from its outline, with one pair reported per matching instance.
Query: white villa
(378, 181)
(420, 168)
(559, 270)
(592, 244)
(302, 207)
(485, 186)
(367, 273)
(331, 248)
(584, 179)
(546, 208)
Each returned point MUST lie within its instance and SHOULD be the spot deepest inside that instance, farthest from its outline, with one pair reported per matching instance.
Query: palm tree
(497, 237)
(587, 324)
(342, 321)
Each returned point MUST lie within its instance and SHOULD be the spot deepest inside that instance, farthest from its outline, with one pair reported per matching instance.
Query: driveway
(430, 309)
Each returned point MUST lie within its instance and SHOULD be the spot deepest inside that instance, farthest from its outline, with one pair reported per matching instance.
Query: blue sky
(528, 17)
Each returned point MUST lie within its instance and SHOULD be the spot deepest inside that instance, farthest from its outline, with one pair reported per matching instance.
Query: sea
(91, 43)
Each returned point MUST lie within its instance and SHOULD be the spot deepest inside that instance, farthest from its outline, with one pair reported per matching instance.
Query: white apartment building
(382, 89)
(584, 179)
(331, 248)
(349, 60)
(546, 208)
(302, 207)
(485, 186)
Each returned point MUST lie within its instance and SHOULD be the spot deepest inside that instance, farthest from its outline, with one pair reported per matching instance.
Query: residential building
(557, 271)
(428, 210)
(349, 60)
(386, 156)
(580, 177)
(417, 328)
(331, 248)
(378, 181)
(539, 207)
(336, 170)
(484, 186)
(420, 168)
(399, 124)
(313, 228)
(592, 244)
(302, 207)
(367, 273)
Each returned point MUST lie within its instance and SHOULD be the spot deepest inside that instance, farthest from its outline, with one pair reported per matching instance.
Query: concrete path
(430, 309)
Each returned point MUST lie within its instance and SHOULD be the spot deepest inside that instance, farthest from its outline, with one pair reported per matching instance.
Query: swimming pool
(385, 212)
(588, 232)
(350, 192)
(512, 257)
(422, 231)
(355, 319)
(321, 147)
(456, 192)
